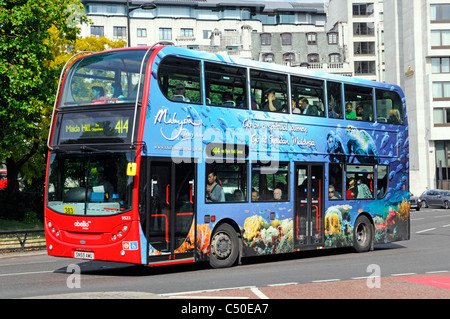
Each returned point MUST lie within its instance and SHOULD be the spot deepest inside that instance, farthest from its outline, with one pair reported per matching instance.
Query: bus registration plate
(83, 255)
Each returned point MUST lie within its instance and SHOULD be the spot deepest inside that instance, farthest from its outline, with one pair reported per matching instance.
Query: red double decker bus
(161, 155)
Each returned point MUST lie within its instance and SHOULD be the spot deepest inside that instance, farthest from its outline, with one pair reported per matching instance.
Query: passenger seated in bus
(331, 112)
(308, 109)
(364, 191)
(98, 92)
(349, 113)
(352, 190)
(255, 196)
(227, 100)
(180, 94)
(277, 194)
(394, 117)
(332, 192)
(214, 192)
(362, 114)
(238, 196)
(271, 103)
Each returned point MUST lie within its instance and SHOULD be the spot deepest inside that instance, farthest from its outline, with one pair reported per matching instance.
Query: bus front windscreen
(104, 78)
(89, 184)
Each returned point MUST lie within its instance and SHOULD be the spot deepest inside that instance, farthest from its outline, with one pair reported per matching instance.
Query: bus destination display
(96, 127)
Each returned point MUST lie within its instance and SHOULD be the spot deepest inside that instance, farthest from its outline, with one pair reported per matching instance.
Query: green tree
(28, 76)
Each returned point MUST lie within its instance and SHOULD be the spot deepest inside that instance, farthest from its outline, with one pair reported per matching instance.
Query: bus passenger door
(309, 204)
(172, 209)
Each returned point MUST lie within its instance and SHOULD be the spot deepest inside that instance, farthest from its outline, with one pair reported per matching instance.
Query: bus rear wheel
(362, 234)
(224, 247)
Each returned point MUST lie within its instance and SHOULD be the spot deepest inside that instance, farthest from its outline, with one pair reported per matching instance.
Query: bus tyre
(362, 234)
(224, 247)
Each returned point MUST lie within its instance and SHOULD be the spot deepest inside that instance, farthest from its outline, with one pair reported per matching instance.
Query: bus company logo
(83, 224)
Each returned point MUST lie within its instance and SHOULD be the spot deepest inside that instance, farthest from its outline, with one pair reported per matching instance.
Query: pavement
(426, 286)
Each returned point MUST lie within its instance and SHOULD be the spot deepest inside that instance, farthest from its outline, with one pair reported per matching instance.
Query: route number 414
(122, 126)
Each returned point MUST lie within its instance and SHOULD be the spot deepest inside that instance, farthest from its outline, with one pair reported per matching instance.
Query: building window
(364, 48)
(362, 9)
(187, 32)
(97, 31)
(206, 34)
(440, 13)
(165, 33)
(268, 57)
(311, 38)
(440, 65)
(441, 91)
(265, 39)
(334, 58)
(332, 38)
(442, 164)
(440, 39)
(313, 58)
(119, 32)
(141, 33)
(286, 39)
(363, 28)
(441, 116)
(365, 67)
(288, 58)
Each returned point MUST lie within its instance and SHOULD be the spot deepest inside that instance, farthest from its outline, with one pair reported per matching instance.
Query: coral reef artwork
(262, 237)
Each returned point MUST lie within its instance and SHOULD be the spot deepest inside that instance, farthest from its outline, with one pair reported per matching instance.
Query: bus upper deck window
(225, 85)
(389, 107)
(358, 103)
(268, 91)
(179, 80)
(334, 100)
(104, 78)
(307, 96)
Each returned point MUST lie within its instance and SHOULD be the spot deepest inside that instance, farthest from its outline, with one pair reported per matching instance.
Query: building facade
(359, 25)
(290, 33)
(419, 43)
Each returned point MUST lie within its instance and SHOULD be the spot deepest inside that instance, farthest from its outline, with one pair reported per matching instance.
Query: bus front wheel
(362, 234)
(224, 247)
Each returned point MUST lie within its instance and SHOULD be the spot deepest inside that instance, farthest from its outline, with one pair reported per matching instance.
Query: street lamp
(144, 6)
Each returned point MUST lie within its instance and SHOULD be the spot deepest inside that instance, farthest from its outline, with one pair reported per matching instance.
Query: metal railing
(11, 240)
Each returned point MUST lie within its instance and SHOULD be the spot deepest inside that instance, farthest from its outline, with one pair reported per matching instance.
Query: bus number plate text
(83, 255)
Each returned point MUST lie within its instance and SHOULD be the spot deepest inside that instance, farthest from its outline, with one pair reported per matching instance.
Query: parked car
(415, 202)
(436, 197)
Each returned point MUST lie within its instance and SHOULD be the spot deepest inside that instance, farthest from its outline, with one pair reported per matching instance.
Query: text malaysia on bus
(163, 155)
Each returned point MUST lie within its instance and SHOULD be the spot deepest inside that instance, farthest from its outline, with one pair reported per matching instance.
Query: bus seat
(179, 98)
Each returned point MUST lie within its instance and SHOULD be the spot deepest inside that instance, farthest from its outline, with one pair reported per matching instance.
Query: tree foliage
(28, 75)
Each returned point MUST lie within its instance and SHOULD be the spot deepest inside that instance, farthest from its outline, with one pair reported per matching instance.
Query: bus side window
(307, 96)
(179, 80)
(225, 85)
(334, 100)
(389, 107)
(382, 180)
(270, 183)
(269, 91)
(360, 183)
(231, 180)
(335, 182)
(360, 98)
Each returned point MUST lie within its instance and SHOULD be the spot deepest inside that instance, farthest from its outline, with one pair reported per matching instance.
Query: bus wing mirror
(131, 169)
